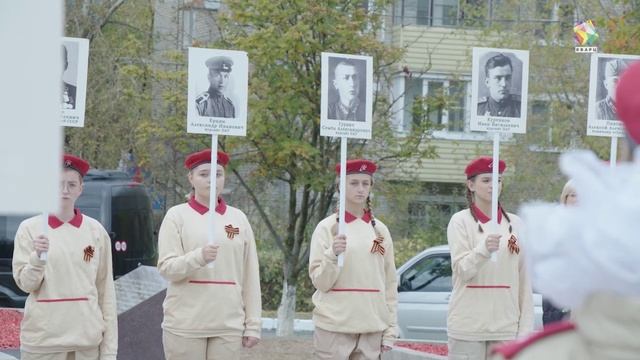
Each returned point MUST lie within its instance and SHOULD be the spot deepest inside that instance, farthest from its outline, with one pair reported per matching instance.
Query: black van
(121, 205)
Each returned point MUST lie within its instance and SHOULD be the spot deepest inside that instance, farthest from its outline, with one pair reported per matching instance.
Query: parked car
(424, 290)
(121, 205)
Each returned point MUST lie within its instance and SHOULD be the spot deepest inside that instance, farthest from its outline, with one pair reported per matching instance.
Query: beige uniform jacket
(490, 300)
(203, 301)
(71, 304)
(606, 327)
(362, 296)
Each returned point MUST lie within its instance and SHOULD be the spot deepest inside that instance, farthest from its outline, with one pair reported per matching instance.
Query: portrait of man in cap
(498, 72)
(213, 102)
(347, 101)
(605, 108)
(68, 90)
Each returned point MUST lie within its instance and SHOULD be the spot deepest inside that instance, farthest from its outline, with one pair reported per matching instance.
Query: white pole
(45, 225)
(213, 198)
(613, 154)
(343, 181)
(495, 189)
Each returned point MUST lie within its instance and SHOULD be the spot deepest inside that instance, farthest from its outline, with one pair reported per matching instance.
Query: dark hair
(475, 216)
(495, 61)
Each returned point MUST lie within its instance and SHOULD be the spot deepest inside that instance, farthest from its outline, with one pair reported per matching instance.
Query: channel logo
(585, 37)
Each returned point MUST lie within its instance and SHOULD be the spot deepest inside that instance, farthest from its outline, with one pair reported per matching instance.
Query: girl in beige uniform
(491, 301)
(355, 306)
(209, 312)
(70, 312)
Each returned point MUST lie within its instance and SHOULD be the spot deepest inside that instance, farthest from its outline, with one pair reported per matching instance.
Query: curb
(400, 353)
(298, 324)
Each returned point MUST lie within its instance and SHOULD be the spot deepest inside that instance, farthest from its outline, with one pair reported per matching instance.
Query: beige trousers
(92, 354)
(330, 345)
(213, 348)
(470, 350)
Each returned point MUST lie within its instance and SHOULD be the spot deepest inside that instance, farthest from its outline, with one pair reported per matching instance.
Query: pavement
(299, 346)
(10, 354)
(271, 347)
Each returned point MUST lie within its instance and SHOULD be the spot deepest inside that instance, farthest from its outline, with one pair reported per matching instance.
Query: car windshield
(433, 273)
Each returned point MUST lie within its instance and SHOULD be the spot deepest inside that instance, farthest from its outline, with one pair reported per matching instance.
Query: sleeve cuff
(35, 260)
(252, 333)
(198, 257)
(481, 249)
(388, 341)
(330, 256)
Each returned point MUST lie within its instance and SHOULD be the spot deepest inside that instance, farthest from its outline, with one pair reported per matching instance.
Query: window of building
(212, 4)
(442, 102)
(426, 12)
(476, 13)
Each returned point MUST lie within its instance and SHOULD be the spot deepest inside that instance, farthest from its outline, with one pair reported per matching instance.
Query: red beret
(204, 156)
(358, 166)
(483, 165)
(75, 163)
(628, 100)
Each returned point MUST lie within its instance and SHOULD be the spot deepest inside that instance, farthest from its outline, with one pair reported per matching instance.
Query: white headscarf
(594, 246)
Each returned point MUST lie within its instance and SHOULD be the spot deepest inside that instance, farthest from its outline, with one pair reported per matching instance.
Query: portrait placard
(602, 119)
(346, 96)
(499, 86)
(217, 92)
(75, 65)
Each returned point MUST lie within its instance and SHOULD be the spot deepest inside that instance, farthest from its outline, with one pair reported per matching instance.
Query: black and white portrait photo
(609, 70)
(500, 85)
(213, 102)
(603, 77)
(218, 81)
(346, 101)
(347, 92)
(69, 76)
(75, 62)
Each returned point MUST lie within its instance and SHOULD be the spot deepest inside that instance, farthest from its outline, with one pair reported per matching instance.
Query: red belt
(212, 282)
(354, 290)
(63, 299)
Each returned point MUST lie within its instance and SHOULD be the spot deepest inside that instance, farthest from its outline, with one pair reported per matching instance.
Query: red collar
(349, 217)
(511, 349)
(76, 221)
(221, 208)
(484, 218)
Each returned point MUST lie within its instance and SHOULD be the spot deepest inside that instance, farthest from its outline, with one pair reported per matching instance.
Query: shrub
(271, 277)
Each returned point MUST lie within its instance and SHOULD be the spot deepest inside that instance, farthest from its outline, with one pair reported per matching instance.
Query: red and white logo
(363, 167)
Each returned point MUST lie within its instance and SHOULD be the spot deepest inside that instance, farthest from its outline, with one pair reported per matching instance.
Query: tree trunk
(287, 309)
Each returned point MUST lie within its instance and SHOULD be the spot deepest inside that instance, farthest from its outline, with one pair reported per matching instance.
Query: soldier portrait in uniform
(68, 90)
(214, 102)
(605, 107)
(347, 89)
(217, 91)
(500, 99)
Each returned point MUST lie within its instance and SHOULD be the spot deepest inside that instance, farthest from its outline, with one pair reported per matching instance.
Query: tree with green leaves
(558, 82)
(283, 148)
(138, 101)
